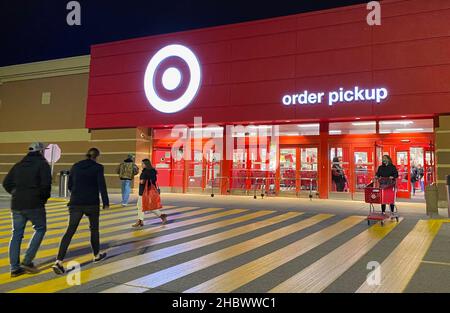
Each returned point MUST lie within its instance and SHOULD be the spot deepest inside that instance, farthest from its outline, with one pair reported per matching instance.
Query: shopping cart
(381, 191)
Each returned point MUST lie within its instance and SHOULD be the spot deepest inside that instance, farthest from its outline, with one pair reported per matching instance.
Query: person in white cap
(29, 183)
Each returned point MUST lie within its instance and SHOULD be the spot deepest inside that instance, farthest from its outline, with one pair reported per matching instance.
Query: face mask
(385, 162)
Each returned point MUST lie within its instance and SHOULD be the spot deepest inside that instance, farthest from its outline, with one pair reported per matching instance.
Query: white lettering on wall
(355, 94)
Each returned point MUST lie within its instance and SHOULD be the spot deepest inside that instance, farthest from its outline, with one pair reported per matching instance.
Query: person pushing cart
(382, 191)
(387, 174)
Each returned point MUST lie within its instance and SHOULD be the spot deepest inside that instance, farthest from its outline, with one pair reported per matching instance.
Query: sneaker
(164, 218)
(124, 205)
(100, 257)
(30, 268)
(58, 268)
(18, 272)
(139, 223)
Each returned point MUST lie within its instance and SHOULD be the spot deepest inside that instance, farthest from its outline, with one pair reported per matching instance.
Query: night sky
(36, 30)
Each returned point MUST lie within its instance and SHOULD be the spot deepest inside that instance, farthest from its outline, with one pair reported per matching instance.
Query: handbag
(150, 198)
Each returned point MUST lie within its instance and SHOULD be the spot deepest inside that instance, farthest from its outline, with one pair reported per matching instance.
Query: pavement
(241, 244)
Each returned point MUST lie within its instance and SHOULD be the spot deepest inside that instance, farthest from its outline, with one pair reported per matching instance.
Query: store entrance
(352, 168)
(253, 170)
(297, 174)
(415, 165)
(204, 172)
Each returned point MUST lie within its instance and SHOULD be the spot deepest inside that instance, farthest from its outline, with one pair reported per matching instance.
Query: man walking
(86, 181)
(29, 183)
(127, 170)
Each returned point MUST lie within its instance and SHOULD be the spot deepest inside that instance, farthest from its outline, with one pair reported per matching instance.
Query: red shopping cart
(382, 191)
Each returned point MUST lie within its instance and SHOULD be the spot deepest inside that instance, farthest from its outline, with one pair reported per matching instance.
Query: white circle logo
(172, 79)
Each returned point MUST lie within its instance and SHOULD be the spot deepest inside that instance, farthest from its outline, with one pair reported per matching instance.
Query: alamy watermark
(374, 276)
(73, 277)
(374, 16)
(74, 16)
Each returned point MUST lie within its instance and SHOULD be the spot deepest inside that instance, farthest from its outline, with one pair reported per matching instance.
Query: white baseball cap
(37, 146)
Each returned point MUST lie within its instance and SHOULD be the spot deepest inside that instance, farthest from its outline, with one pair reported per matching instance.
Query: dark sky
(36, 30)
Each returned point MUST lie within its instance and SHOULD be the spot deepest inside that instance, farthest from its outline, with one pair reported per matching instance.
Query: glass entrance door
(288, 171)
(196, 172)
(417, 172)
(308, 170)
(429, 170)
(340, 172)
(402, 160)
(363, 169)
(298, 170)
(238, 183)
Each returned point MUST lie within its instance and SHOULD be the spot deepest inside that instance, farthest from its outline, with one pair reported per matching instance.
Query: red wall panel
(247, 68)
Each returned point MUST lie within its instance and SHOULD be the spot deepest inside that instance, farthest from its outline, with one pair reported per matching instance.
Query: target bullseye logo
(172, 79)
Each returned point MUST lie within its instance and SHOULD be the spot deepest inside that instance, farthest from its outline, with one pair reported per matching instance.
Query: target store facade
(319, 86)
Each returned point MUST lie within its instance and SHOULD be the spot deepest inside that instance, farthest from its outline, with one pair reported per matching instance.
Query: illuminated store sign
(338, 96)
(172, 79)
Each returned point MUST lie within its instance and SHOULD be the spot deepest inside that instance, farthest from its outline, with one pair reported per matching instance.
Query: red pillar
(324, 162)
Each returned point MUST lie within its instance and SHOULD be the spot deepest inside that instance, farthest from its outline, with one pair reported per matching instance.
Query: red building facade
(301, 75)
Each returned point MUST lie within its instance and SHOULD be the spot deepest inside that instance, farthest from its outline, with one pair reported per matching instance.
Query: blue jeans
(126, 190)
(20, 218)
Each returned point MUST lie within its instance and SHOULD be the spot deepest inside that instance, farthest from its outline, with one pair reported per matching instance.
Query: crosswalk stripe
(105, 270)
(56, 221)
(50, 209)
(5, 234)
(106, 230)
(149, 240)
(399, 267)
(320, 274)
(47, 205)
(164, 276)
(115, 210)
(52, 213)
(53, 251)
(436, 263)
(244, 274)
(83, 226)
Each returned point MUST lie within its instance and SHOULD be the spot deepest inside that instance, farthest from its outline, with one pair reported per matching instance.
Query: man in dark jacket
(29, 183)
(86, 182)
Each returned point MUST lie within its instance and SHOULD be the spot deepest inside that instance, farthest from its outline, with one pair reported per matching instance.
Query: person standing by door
(148, 176)
(338, 175)
(387, 174)
(420, 175)
(126, 171)
(86, 182)
(414, 178)
(29, 182)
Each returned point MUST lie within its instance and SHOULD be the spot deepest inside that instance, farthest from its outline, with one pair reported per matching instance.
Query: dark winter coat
(29, 182)
(86, 182)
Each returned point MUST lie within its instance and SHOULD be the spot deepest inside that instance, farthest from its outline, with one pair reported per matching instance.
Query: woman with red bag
(149, 200)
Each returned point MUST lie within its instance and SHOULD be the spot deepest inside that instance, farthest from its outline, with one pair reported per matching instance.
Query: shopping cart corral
(381, 191)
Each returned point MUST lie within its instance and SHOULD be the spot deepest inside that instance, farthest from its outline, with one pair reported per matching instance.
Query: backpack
(127, 170)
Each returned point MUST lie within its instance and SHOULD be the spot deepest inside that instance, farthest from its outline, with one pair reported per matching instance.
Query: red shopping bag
(151, 199)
